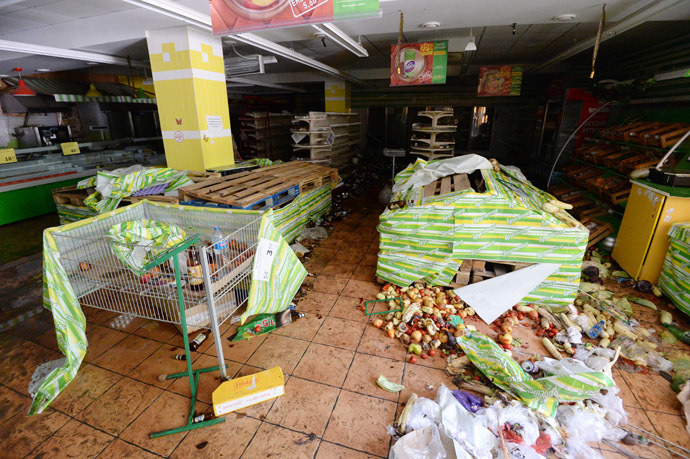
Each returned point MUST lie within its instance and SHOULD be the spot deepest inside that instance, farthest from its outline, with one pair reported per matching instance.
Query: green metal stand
(192, 374)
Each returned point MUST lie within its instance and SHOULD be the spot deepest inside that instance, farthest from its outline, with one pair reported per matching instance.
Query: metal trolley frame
(164, 292)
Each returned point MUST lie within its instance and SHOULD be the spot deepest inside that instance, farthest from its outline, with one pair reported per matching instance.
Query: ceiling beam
(634, 19)
(28, 48)
(203, 21)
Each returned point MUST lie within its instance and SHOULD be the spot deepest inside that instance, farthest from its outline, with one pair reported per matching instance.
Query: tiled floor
(332, 407)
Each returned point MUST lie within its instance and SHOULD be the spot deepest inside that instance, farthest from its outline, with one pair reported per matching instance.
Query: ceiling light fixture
(93, 92)
(22, 89)
(565, 17)
(471, 46)
(43, 70)
(96, 58)
(431, 25)
(340, 38)
(203, 21)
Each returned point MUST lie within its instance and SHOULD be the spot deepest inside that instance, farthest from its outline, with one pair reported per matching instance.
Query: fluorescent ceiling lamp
(203, 21)
(247, 65)
(40, 50)
(341, 39)
(248, 82)
(673, 74)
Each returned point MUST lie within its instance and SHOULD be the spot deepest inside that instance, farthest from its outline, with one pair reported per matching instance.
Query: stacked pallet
(265, 135)
(327, 135)
(474, 271)
(259, 189)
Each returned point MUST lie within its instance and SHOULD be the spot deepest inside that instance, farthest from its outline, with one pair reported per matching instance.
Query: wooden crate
(245, 190)
(598, 230)
(592, 155)
(640, 160)
(636, 134)
(474, 271)
(71, 196)
(665, 135)
(611, 161)
(154, 198)
(445, 185)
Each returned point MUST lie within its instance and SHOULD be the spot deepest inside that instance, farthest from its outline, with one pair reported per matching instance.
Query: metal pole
(212, 312)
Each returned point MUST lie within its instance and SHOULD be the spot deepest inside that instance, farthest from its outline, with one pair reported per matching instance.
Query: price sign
(300, 7)
(7, 156)
(70, 148)
(265, 254)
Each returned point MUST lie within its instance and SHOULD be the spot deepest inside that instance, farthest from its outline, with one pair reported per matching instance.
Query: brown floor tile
(339, 269)
(74, 439)
(360, 421)
(48, 339)
(100, 340)
(127, 354)
(329, 450)
(98, 316)
(376, 342)
(349, 257)
(324, 253)
(416, 378)
(305, 407)
(325, 364)
(653, 392)
(19, 364)
(240, 429)
(317, 303)
(279, 351)
(366, 369)
(670, 427)
(33, 327)
(240, 351)
(640, 418)
(349, 308)
(120, 405)
(315, 265)
(625, 393)
(119, 449)
(209, 344)
(12, 403)
(304, 328)
(276, 442)
(260, 410)
(332, 244)
(22, 434)
(208, 382)
(340, 333)
(89, 384)
(329, 284)
(161, 362)
(166, 412)
(365, 273)
(154, 329)
(361, 289)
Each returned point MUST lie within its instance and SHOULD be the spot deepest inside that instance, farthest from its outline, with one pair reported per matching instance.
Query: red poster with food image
(503, 80)
(234, 16)
(419, 63)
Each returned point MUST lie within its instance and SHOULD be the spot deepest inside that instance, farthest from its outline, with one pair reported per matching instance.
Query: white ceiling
(118, 28)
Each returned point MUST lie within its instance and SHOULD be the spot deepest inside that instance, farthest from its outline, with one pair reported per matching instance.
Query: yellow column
(189, 78)
(337, 96)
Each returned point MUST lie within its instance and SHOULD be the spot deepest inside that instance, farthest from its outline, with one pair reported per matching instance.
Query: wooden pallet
(154, 198)
(71, 196)
(307, 175)
(195, 176)
(474, 271)
(449, 184)
(245, 190)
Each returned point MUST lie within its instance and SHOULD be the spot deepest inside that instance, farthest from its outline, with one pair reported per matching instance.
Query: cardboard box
(248, 390)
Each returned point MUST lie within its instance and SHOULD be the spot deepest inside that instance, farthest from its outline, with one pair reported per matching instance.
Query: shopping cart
(164, 289)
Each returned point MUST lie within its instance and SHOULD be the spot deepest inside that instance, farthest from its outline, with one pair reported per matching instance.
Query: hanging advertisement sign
(500, 80)
(419, 63)
(234, 16)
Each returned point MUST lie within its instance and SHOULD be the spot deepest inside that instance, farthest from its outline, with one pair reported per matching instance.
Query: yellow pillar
(337, 96)
(189, 78)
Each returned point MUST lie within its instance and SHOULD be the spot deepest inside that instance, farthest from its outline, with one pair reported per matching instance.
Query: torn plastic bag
(316, 233)
(657, 362)
(583, 424)
(461, 426)
(424, 443)
(570, 335)
(684, 397)
(598, 358)
(515, 414)
(613, 404)
(542, 394)
(424, 413)
(563, 367)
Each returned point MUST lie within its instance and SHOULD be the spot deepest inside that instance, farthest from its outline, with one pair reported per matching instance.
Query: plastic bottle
(683, 336)
(220, 247)
(200, 338)
(596, 330)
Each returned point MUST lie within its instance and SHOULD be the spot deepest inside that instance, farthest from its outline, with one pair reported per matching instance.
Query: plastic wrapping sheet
(429, 238)
(291, 219)
(270, 292)
(112, 186)
(674, 280)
